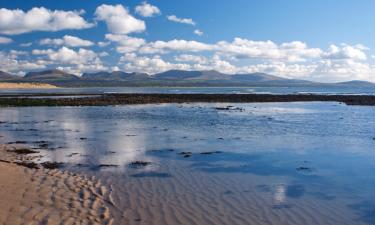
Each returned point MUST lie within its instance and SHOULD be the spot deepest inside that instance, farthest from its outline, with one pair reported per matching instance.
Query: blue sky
(319, 40)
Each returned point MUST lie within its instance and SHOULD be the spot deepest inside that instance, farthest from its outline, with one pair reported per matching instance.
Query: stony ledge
(135, 98)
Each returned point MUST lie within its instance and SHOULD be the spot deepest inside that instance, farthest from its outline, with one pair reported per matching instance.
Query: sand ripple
(40, 196)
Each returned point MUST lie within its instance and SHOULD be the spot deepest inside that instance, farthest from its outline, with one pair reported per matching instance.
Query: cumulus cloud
(26, 44)
(67, 40)
(18, 21)
(151, 65)
(346, 52)
(10, 62)
(147, 10)
(198, 32)
(174, 18)
(76, 62)
(118, 19)
(243, 48)
(175, 45)
(69, 56)
(5, 40)
(238, 49)
(103, 43)
(125, 44)
(190, 58)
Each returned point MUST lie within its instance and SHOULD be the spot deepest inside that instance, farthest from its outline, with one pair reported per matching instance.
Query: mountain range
(168, 78)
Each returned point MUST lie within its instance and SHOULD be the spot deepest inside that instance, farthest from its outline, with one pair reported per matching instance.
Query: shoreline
(38, 195)
(28, 85)
(66, 99)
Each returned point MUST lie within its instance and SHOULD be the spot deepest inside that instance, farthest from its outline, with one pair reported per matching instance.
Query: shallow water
(263, 163)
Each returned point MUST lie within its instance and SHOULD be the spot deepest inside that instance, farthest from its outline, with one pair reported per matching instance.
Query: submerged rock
(30, 165)
(186, 154)
(139, 164)
(52, 165)
(23, 151)
(210, 153)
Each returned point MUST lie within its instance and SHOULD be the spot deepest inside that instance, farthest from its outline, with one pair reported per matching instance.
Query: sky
(320, 40)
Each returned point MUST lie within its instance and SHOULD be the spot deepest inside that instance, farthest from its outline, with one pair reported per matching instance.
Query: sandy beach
(48, 196)
(9, 85)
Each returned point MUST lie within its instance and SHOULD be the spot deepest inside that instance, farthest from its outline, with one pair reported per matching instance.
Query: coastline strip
(135, 98)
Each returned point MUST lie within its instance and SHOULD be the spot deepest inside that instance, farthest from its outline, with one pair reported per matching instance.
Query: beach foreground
(43, 196)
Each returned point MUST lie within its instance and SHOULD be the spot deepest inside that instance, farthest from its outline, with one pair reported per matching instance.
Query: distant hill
(168, 78)
(6, 76)
(355, 83)
(50, 75)
(114, 76)
(212, 76)
(190, 75)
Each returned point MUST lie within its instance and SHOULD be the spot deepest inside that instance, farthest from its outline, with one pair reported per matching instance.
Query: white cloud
(238, 49)
(118, 19)
(151, 65)
(147, 10)
(42, 52)
(175, 45)
(67, 40)
(5, 40)
(69, 56)
(125, 44)
(215, 63)
(103, 43)
(174, 18)
(243, 48)
(66, 55)
(81, 68)
(190, 58)
(198, 32)
(9, 62)
(18, 21)
(27, 44)
(103, 54)
(75, 62)
(15, 53)
(346, 52)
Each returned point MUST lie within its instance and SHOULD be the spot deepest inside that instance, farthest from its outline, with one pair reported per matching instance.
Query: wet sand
(9, 85)
(42, 196)
(128, 99)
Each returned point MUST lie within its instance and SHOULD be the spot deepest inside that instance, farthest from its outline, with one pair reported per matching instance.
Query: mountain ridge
(166, 78)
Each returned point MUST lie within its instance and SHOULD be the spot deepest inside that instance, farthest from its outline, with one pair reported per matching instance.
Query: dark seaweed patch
(210, 153)
(23, 151)
(30, 165)
(139, 164)
(17, 142)
(185, 154)
(52, 165)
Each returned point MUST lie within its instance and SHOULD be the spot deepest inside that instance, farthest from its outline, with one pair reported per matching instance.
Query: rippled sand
(41, 196)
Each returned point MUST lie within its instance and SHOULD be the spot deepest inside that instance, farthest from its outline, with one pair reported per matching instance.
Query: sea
(328, 90)
(256, 163)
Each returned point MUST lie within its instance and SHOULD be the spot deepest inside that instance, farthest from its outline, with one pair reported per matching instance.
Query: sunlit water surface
(270, 163)
(326, 89)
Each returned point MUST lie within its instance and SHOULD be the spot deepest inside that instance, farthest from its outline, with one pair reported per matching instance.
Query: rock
(52, 165)
(139, 164)
(23, 151)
